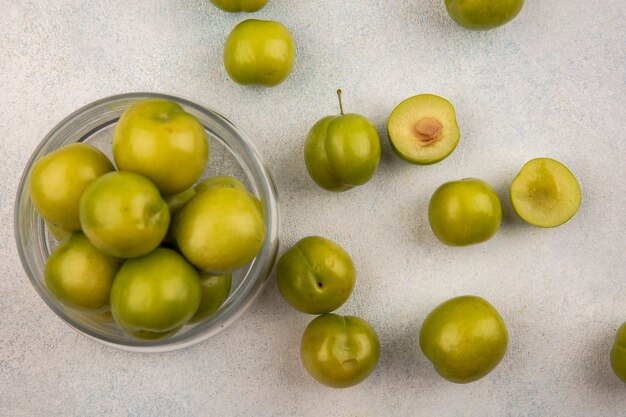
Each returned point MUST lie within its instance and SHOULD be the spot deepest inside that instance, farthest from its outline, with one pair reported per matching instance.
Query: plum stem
(340, 103)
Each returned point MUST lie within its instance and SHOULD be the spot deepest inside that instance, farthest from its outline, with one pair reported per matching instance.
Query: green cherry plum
(259, 52)
(339, 351)
(219, 181)
(618, 353)
(316, 275)
(464, 212)
(483, 14)
(220, 229)
(465, 338)
(240, 5)
(158, 139)
(56, 232)
(80, 275)
(154, 295)
(215, 290)
(176, 201)
(123, 214)
(342, 151)
(58, 179)
(226, 181)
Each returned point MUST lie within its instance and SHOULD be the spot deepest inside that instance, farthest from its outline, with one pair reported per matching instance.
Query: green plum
(618, 353)
(175, 202)
(157, 138)
(545, 193)
(240, 5)
(483, 14)
(316, 275)
(339, 351)
(215, 290)
(219, 181)
(464, 212)
(259, 52)
(423, 129)
(105, 317)
(154, 295)
(226, 181)
(220, 229)
(342, 152)
(123, 214)
(80, 275)
(465, 338)
(58, 179)
(56, 232)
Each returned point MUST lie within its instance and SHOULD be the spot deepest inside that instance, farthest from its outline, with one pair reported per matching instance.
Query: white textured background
(551, 83)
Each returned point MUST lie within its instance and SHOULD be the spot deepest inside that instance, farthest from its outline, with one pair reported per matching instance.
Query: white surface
(551, 83)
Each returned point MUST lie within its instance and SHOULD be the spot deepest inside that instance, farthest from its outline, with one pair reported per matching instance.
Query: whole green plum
(80, 275)
(240, 5)
(123, 214)
(339, 351)
(342, 151)
(259, 52)
(465, 338)
(316, 275)
(58, 179)
(483, 14)
(464, 212)
(220, 229)
(154, 295)
(618, 353)
(158, 139)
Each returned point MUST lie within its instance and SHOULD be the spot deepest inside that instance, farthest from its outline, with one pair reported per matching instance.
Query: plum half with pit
(423, 129)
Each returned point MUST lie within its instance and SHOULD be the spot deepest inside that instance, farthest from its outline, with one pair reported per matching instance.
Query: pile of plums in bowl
(147, 222)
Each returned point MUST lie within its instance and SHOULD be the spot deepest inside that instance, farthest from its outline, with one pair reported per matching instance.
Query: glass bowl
(231, 153)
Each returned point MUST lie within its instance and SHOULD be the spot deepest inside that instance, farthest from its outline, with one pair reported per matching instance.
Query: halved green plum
(423, 129)
(545, 193)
